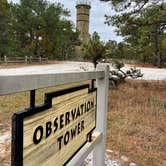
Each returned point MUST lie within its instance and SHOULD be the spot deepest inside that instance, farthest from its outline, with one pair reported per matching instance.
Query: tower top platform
(83, 2)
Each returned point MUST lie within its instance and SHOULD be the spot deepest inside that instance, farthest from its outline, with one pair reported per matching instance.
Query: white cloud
(98, 10)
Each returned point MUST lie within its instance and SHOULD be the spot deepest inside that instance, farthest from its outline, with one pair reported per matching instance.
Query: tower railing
(83, 2)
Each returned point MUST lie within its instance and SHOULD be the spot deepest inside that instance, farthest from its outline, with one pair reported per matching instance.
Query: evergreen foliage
(4, 27)
(143, 25)
(94, 50)
(36, 28)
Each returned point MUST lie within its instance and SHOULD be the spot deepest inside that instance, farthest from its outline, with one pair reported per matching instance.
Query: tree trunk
(1, 56)
(157, 56)
(95, 64)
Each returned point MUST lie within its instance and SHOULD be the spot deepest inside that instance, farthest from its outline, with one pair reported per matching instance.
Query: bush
(118, 76)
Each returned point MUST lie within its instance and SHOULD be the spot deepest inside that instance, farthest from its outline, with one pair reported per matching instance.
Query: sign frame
(17, 122)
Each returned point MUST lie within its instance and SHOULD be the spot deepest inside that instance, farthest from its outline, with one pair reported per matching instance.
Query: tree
(163, 49)
(42, 28)
(94, 50)
(141, 21)
(135, 6)
(111, 47)
(4, 27)
(122, 50)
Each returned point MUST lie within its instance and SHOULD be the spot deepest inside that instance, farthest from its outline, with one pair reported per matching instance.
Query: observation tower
(83, 12)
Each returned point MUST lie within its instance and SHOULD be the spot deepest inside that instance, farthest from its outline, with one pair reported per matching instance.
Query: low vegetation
(136, 120)
(118, 75)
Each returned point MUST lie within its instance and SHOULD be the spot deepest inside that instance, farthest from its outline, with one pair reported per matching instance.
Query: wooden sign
(51, 134)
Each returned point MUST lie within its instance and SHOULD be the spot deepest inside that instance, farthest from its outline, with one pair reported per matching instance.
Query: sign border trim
(17, 122)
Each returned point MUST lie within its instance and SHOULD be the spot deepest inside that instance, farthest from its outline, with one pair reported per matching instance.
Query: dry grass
(137, 122)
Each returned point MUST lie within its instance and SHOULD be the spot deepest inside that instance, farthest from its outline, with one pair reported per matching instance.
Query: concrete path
(152, 73)
(149, 73)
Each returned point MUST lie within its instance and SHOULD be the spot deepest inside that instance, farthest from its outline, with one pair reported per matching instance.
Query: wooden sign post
(51, 134)
(57, 132)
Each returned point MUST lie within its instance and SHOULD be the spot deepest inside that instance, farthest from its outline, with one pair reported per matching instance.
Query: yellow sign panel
(55, 133)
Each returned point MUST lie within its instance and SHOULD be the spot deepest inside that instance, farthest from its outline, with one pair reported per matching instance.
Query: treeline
(140, 53)
(36, 28)
(142, 23)
(96, 50)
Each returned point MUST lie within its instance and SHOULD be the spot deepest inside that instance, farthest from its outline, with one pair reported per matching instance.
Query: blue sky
(98, 10)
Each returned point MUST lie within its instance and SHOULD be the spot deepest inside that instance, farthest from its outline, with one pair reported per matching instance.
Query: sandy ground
(149, 73)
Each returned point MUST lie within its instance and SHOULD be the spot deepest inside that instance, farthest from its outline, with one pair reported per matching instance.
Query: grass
(136, 125)
(137, 121)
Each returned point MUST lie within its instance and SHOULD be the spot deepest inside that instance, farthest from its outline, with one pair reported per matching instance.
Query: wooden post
(102, 108)
(40, 58)
(26, 60)
(5, 59)
(30, 59)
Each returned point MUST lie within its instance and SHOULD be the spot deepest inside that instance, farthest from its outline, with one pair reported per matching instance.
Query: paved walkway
(149, 73)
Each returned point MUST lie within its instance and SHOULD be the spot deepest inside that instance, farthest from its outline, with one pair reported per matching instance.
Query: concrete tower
(83, 12)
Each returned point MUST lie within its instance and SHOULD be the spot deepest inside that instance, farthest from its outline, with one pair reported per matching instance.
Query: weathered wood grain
(47, 152)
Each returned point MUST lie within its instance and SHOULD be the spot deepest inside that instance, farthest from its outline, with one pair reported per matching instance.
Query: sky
(98, 10)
